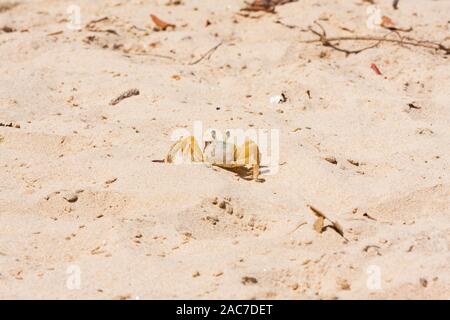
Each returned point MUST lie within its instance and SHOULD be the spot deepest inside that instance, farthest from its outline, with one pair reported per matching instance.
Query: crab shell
(220, 153)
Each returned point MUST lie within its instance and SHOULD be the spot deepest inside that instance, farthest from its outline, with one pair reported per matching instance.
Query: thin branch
(289, 26)
(327, 41)
(298, 227)
(128, 55)
(206, 54)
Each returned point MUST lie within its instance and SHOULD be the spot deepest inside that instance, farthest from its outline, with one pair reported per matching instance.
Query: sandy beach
(363, 137)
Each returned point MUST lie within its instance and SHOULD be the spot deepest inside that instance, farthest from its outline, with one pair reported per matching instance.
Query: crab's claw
(184, 150)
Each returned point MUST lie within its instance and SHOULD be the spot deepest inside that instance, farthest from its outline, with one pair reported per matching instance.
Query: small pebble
(423, 282)
(343, 284)
(222, 204)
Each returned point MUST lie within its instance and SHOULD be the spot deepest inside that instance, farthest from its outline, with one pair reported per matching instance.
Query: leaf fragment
(334, 224)
(319, 224)
(161, 24)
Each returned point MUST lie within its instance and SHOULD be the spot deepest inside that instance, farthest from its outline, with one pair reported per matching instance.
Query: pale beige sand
(153, 232)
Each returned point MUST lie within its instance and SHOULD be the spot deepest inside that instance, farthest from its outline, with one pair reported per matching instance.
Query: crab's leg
(189, 150)
(255, 171)
(173, 151)
(193, 150)
(248, 154)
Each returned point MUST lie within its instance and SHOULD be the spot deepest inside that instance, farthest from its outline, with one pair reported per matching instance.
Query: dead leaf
(335, 225)
(318, 225)
(387, 22)
(161, 24)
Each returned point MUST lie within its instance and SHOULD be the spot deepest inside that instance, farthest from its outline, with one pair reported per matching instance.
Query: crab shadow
(244, 173)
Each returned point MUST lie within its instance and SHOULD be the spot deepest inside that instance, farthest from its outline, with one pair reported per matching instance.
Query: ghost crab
(219, 153)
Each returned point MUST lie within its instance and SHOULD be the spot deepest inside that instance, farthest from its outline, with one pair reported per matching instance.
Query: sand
(86, 214)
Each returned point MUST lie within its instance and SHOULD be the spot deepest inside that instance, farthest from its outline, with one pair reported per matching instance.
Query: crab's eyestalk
(207, 143)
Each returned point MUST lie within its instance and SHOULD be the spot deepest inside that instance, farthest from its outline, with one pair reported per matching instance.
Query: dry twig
(298, 227)
(161, 24)
(207, 54)
(126, 94)
(402, 40)
(10, 125)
